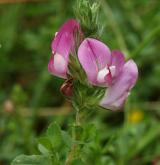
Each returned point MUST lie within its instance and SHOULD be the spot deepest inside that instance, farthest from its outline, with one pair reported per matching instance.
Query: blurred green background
(30, 97)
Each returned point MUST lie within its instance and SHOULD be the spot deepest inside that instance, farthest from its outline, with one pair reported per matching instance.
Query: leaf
(54, 135)
(32, 160)
(78, 162)
(43, 149)
(45, 141)
(89, 133)
(66, 138)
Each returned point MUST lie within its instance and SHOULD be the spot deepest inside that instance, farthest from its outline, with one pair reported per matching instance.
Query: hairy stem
(72, 152)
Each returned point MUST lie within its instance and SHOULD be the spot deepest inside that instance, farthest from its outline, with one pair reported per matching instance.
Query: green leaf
(45, 141)
(89, 132)
(66, 138)
(32, 160)
(54, 135)
(78, 162)
(43, 149)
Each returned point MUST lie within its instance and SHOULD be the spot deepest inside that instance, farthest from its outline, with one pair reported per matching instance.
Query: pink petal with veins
(117, 93)
(62, 46)
(94, 56)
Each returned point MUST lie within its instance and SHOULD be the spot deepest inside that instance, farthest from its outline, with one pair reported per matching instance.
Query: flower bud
(67, 88)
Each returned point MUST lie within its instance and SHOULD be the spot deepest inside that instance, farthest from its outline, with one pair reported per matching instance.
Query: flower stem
(72, 153)
(77, 123)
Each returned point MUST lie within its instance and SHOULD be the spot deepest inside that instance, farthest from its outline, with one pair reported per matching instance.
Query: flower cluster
(103, 67)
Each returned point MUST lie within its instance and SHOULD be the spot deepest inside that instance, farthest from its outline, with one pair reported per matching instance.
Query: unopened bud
(67, 88)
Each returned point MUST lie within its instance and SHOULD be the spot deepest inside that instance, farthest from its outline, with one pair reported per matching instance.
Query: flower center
(104, 72)
(101, 75)
(112, 70)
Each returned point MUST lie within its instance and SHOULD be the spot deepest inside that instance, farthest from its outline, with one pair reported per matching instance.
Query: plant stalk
(72, 152)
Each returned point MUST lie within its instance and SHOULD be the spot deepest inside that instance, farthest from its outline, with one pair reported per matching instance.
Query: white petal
(112, 70)
(59, 63)
(101, 75)
(55, 34)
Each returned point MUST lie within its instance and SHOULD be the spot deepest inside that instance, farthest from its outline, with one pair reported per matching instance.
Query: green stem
(72, 152)
(77, 118)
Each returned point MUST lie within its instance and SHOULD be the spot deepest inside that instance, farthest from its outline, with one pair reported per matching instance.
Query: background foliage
(30, 97)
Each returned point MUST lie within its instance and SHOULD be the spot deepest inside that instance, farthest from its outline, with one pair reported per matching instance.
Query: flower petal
(118, 61)
(116, 94)
(57, 65)
(61, 46)
(64, 39)
(93, 56)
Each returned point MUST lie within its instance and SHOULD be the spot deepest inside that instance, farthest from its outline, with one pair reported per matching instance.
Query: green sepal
(87, 14)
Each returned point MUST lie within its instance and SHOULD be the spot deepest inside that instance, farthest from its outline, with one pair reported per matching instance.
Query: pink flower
(117, 93)
(62, 45)
(108, 69)
(100, 65)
